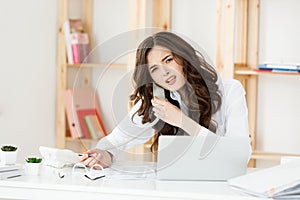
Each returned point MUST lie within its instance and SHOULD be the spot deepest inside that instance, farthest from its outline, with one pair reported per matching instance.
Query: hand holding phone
(158, 92)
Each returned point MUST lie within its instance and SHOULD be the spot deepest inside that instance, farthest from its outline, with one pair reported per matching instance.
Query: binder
(71, 115)
(77, 100)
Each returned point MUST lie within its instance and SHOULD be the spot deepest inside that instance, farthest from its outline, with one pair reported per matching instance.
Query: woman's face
(164, 70)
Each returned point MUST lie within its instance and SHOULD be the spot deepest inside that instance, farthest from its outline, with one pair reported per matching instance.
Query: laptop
(210, 157)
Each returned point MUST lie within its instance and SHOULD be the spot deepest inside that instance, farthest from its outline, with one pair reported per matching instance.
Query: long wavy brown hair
(201, 88)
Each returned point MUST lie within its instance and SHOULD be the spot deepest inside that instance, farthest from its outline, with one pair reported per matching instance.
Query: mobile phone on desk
(158, 92)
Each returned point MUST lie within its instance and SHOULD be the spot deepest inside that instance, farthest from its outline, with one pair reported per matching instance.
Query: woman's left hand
(167, 112)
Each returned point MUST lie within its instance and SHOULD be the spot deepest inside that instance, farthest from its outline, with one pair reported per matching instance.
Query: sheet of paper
(130, 171)
(271, 181)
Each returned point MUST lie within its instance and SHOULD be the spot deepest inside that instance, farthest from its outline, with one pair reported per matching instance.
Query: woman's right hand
(96, 156)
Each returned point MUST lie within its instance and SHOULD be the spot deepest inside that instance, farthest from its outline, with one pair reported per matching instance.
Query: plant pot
(32, 169)
(8, 157)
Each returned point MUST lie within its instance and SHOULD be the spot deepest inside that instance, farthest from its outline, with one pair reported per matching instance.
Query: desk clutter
(63, 163)
(10, 171)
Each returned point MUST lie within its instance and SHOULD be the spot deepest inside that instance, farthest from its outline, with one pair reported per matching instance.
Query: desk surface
(49, 186)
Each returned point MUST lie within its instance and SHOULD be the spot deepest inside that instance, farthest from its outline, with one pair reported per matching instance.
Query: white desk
(51, 187)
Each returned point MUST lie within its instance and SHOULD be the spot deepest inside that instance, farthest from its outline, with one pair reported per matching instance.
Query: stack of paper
(279, 182)
(10, 171)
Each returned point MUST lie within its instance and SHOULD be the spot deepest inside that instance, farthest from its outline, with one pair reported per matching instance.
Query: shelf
(70, 139)
(249, 72)
(90, 65)
(270, 155)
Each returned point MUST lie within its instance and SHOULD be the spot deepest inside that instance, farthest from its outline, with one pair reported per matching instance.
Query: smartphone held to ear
(158, 92)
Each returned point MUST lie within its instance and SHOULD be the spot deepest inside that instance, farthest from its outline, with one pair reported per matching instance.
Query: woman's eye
(153, 69)
(169, 60)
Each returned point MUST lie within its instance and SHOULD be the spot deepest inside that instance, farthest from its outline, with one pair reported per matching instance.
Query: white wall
(110, 29)
(278, 127)
(28, 74)
(196, 19)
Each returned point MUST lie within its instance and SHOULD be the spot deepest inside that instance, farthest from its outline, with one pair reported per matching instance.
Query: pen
(80, 154)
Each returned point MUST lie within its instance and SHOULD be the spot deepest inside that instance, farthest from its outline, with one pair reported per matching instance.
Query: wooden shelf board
(255, 72)
(260, 155)
(70, 139)
(90, 65)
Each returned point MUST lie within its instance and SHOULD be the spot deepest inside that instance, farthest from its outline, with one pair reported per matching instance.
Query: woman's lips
(171, 80)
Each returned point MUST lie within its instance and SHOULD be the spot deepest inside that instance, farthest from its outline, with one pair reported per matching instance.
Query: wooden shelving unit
(138, 19)
(62, 71)
(237, 57)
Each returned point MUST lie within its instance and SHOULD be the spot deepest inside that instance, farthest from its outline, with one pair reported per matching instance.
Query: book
(87, 98)
(93, 126)
(84, 47)
(90, 127)
(84, 98)
(96, 125)
(81, 113)
(75, 47)
(279, 182)
(278, 70)
(280, 67)
(71, 26)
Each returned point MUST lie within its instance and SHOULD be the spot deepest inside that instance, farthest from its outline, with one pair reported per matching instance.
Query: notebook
(201, 157)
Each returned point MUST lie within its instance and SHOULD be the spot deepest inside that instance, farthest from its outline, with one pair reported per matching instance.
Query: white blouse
(231, 119)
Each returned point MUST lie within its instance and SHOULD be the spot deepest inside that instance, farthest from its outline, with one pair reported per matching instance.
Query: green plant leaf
(9, 148)
(33, 160)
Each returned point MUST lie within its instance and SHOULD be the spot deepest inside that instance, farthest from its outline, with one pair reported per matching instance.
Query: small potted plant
(8, 154)
(32, 165)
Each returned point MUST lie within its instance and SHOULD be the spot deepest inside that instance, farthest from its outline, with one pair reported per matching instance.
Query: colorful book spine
(279, 67)
(68, 41)
(84, 48)
(75, 48)
(71, 26)
(96, 125)
(90, 126)
(101, 123)
(81, 114)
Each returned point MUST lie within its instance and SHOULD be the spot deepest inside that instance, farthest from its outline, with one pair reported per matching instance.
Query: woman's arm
(236, 111)
(125, 136)
(235, 122)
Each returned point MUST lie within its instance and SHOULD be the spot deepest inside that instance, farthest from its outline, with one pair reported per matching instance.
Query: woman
(196, 102)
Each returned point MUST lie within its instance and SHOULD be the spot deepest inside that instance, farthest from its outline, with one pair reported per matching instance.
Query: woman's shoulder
(233, 86)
